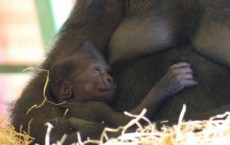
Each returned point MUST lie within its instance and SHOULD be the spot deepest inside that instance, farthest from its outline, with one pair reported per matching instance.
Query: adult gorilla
(140, 51)
(140, 38)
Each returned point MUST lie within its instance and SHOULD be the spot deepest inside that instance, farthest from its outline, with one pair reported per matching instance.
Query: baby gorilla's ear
(64, 89)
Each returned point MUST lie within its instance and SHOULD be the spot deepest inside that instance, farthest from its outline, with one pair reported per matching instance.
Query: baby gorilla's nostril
(110, 80)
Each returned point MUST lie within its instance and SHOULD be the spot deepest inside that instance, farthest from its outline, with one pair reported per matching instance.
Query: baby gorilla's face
(94, 83)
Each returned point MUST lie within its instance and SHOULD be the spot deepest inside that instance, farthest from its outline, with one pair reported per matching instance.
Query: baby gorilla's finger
(189, 83)
(183, 70)
(186, 76)
(180, 64)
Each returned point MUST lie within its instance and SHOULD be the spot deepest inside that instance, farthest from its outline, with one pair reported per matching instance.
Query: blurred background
(27, 29)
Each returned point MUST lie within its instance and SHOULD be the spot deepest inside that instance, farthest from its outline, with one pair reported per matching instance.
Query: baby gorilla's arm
(96, 111)
(179, 75)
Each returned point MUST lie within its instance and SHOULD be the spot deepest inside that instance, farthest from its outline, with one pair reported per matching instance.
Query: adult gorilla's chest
(137, 76)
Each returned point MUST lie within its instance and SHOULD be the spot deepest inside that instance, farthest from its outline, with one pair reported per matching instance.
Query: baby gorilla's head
(82, 77)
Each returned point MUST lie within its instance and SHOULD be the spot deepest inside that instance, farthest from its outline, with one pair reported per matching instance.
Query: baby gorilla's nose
(110, 80)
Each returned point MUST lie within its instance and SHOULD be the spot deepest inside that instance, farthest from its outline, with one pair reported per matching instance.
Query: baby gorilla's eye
(97, 69)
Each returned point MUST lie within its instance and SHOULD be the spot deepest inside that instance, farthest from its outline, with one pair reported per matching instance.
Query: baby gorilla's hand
(179, 75)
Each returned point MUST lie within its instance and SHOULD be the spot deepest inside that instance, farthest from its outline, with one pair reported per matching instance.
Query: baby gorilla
(83, 83)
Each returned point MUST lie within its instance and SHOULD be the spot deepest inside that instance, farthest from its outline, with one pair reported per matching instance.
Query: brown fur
(135, 32)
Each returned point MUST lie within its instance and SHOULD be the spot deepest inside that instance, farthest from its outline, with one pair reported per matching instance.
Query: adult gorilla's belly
(136, 77)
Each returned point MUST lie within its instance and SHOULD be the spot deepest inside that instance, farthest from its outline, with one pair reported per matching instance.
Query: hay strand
(36, 106)
(214, 131)
(8, 135)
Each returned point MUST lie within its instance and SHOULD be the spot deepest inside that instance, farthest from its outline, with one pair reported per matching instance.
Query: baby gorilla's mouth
(105, 89)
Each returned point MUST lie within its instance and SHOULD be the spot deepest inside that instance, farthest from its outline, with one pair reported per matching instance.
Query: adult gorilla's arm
(90, 20)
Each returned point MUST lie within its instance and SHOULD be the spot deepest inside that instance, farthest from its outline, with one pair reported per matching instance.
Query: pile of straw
(8, 135)
(214, 131)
